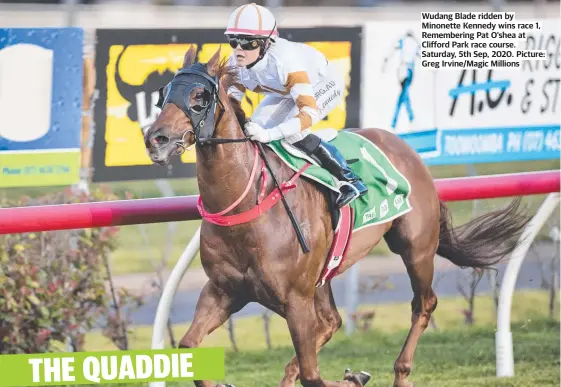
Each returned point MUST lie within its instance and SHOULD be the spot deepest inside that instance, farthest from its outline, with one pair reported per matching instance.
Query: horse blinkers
(196, 97)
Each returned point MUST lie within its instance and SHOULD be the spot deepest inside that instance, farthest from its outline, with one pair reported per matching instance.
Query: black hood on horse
(195, 92)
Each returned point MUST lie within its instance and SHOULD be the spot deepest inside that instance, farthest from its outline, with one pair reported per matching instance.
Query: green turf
(454, 358)
(456, 355)
(135, 256)
(389, 319)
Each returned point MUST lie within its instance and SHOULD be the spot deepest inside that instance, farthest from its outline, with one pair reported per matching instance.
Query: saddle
(326, 135)
(341, 218)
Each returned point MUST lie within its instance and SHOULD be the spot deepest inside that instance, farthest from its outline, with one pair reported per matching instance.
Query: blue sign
(41, 83)
(487, 145)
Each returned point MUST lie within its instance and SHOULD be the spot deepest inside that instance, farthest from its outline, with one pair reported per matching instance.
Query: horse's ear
(212, 64)
(189, 56)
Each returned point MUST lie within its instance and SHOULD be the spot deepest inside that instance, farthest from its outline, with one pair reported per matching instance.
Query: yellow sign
(142, 69)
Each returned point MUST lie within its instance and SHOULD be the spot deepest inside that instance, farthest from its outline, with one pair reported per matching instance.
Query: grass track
(448, 359)
(454, 356)
(390, 319)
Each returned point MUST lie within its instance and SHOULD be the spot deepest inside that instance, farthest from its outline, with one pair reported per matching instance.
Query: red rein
(263, 205)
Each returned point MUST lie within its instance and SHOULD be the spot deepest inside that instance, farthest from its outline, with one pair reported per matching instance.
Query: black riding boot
(329, 158)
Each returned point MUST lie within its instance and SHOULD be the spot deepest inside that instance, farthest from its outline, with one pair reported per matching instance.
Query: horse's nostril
(160, 140)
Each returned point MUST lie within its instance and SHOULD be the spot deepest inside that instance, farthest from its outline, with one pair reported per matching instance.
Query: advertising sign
(40, 106)
(456, 116)
(132, 65)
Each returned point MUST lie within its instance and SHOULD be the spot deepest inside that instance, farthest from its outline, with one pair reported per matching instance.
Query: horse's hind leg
(329, 321)
(418, 255)
(303, 324)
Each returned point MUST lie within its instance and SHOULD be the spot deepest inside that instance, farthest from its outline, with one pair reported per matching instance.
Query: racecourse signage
(40, 106)
(132, 64)
(457, 116)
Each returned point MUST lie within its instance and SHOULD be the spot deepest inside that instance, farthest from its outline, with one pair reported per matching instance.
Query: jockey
(300, 89)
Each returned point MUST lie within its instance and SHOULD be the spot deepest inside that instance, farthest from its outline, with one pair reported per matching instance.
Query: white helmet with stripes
(252, 20)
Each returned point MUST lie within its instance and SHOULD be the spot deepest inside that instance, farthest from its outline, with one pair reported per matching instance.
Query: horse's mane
(228, 76)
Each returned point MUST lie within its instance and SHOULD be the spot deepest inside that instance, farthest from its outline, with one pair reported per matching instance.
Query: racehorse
(256, 257)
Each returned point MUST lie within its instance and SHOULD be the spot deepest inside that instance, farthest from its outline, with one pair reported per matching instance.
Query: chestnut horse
(261, 260)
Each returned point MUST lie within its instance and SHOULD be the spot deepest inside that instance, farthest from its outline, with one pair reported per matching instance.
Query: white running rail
(503, 336)
(170, 288)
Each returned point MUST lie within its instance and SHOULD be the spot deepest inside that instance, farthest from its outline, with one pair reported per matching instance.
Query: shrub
(53, 284)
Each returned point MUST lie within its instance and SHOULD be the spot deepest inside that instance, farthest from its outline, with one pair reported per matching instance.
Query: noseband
(179, 92)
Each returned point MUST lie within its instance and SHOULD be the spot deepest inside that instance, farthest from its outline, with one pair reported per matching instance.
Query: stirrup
(331, 159)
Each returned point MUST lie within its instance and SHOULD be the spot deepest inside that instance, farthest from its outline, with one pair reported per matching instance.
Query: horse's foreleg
(329, 321)
(302, 324)
(214, 307)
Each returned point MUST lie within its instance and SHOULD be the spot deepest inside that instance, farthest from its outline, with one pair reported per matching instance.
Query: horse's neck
(224, 170)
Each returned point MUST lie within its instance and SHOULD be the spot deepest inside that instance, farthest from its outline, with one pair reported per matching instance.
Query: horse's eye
(198, 100)
(197, 108)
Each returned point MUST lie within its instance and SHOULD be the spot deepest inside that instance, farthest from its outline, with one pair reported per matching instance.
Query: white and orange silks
(300, 88)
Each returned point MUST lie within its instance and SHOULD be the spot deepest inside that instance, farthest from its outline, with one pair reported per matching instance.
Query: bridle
(182, 144)
(178, 91)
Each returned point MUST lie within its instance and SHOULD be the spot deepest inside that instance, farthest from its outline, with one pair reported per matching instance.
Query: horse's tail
(483, 241)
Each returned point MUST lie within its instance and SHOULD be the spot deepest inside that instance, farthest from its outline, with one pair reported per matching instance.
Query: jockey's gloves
(257, 133)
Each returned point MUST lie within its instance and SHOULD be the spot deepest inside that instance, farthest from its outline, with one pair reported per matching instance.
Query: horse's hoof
(361, 378)
(225, 385)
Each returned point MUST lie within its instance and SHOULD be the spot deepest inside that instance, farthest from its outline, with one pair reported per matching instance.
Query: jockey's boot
(329, 157)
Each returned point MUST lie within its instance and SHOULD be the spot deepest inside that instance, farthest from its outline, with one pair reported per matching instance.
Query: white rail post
(503, 336)
(351, 296)
(170, 288)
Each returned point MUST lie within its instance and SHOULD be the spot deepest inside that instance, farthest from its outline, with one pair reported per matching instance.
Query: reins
(263, 205)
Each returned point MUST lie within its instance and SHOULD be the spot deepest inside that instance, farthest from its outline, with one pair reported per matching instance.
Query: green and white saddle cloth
(388, 190)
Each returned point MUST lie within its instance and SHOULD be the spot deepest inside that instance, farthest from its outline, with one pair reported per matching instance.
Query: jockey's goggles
(246, 44)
